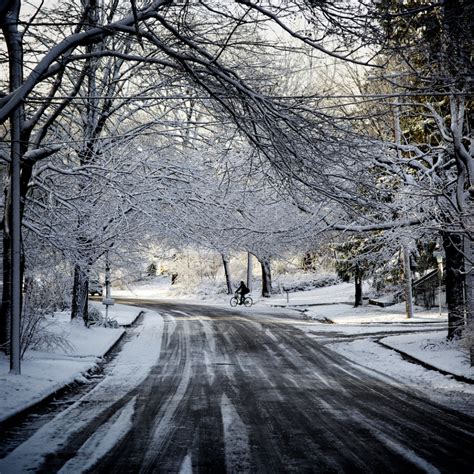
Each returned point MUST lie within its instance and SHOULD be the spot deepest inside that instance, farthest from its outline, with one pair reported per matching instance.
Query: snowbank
(390, 366)
(123, 314)
(132, 364)
(347, 314)
(44, 373)
(435, 350)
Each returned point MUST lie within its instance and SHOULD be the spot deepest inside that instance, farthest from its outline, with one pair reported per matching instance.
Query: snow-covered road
(239, 391)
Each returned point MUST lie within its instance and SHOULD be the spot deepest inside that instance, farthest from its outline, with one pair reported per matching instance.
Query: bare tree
(195, 47)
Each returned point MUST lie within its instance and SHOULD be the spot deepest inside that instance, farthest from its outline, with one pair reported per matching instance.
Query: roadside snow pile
(45, 372)
(390, 366)
(130, 368)
(312, 316)
(434, 350)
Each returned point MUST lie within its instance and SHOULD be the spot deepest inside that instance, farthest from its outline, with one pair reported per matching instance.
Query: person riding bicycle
(242, 290)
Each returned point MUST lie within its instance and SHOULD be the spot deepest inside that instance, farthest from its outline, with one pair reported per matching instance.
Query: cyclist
(242, 290)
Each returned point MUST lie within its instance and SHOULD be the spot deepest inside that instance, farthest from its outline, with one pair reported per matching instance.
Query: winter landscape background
(154, 154)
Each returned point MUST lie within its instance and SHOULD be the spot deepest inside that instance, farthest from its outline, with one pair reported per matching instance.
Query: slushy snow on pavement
(354, 334)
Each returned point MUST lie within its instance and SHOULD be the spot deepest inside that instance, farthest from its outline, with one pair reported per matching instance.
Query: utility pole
(438, 254)
(15, 54)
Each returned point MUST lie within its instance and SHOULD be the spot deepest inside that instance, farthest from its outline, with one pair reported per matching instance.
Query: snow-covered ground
(434, 350)
(360, 328)
(390, 365)
(45, 372)
(332, 304)
(149, 288)
(132, 364)
(354, 334)
(123, 314)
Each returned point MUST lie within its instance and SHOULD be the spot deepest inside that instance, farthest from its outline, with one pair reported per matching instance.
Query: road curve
(238, 392)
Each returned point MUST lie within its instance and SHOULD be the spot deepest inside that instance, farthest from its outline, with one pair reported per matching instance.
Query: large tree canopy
(85, 80)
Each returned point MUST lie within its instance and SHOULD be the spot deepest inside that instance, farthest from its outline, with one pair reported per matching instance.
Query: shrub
(35, 330)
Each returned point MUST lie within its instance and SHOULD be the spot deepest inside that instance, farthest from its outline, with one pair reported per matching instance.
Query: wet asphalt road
(239, 392)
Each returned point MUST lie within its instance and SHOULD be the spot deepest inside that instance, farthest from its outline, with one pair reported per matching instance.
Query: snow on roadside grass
(85, 342)
(389, 365)
(435, 350)
(347, 314)
(341, 293)
(43, 373)
(131, 366)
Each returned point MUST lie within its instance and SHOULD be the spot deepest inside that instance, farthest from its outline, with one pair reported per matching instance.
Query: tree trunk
(469, 253)
(249, 271)
(453, 247)
(266, 277)
(469, 267)
(308, 261)
(80, 295)
(228, 279)
(358, 274)
(408, 281)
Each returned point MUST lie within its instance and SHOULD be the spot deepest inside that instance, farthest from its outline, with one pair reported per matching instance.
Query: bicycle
(236, 301)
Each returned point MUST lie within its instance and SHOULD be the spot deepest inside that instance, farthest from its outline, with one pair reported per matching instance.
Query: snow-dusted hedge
(318, 282)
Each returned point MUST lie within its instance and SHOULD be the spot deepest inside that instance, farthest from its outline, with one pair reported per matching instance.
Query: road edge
(24, 412)
(414, 360)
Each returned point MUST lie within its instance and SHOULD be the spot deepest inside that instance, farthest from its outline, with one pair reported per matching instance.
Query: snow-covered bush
(35, 330)
(96, 318)
(306, 281)
(94, 314)
(291, 265)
